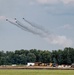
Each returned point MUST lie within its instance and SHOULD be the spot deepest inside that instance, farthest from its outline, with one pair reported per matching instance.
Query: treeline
(22, 56)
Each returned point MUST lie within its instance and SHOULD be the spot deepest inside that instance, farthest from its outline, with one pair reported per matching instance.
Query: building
(30, 64)
(72, 65)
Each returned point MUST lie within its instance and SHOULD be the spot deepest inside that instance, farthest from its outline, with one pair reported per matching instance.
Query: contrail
(25, 27)
(16, 24)
(52, 38)
(42, 29)
(20, 25)
(28, 29)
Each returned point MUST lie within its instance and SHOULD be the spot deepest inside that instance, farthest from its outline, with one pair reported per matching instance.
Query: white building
(30, 64)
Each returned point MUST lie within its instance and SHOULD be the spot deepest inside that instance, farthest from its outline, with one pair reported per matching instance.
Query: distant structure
(30, 64)
(72, 65)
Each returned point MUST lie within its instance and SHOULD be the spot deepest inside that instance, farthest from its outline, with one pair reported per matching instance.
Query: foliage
(22, 56)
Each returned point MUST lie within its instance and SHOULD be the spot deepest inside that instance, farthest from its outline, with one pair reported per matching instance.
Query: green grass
(36, 72)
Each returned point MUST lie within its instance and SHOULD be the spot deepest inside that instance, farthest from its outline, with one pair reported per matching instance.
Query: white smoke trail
(36, 26)
(13, 22)
(51, 38)
(20, 25)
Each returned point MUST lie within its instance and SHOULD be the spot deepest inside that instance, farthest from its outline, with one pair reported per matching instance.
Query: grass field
(36, 72)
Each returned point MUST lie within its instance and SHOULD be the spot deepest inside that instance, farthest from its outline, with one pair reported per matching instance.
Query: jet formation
(35, 29)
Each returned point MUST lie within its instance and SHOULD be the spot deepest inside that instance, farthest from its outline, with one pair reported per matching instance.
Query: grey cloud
(60, 9)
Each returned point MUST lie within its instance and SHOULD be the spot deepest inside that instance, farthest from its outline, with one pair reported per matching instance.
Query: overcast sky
(53, 24)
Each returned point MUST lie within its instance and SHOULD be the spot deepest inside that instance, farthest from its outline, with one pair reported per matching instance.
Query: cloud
(60, 9)
(2, 17)
(67, 1)
(54, 1)
(59, 40)
(47, 1)
(67, 26)
(57, 7)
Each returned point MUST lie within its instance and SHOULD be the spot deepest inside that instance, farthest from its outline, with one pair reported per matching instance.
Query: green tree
(54, 56)
(45, 57)
(31, 57)
(23, 59)
(60, 57)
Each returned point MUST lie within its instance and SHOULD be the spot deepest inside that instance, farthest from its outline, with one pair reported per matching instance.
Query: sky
(47, 24)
